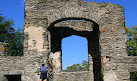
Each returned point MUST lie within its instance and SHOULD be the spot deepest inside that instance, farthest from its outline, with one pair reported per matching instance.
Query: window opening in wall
(133, 76)
(75, 53)
(13, 77)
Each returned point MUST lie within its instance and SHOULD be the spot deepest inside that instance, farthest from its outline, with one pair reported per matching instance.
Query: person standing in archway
(43, 74)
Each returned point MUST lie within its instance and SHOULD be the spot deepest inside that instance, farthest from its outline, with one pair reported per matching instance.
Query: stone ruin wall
(9, 65)
(109, 17)
(42, 15)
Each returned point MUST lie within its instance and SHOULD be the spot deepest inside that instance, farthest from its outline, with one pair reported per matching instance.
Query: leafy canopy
(13, 38)
(76, 67)
(132, 41)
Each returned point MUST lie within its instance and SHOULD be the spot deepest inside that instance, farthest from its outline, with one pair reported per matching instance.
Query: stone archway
(107, 39)
(107, 34)
(91, 32)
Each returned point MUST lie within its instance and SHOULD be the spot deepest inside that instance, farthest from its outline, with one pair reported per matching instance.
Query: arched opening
(74, 53)
(59, 32)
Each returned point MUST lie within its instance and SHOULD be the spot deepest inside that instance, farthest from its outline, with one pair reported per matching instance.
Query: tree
(85, 65)
(133, 76)
(76, 67)
(15, 45)
(6, 29)
(132, 41)
(132, 47)
(13, 38)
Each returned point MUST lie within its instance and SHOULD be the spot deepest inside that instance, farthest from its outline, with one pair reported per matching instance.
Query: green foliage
(132, 47)
(76, 67)
(6, 29)
(132, 41)
(15, 45)
(13, 38)
(133, 76)
(85, 65)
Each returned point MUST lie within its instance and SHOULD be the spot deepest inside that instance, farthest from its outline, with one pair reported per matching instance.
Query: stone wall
(47, 23)
(105, 32)
(78, 25)
(74, 76)
(9, 65)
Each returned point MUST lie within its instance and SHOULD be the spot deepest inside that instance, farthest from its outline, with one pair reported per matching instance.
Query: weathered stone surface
(12, 72)
(2, 78)
(9, 63)
(36, 40)
(46, 24)
(110, 76)
(76, 25)
(74, 76)
(55, 61)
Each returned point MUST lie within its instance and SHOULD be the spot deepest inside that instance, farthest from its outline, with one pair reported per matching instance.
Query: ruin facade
(47, 22)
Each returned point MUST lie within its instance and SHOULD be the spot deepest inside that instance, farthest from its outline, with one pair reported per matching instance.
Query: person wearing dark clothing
(43, 75)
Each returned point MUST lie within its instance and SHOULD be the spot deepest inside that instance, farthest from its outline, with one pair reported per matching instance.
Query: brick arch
(73, 18)
(68, 13)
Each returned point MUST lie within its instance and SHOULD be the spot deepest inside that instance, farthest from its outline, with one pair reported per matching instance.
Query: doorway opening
(75, 53)
(13, 77)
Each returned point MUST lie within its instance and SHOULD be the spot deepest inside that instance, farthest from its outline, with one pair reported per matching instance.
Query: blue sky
(74, 50)
(14, 9)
